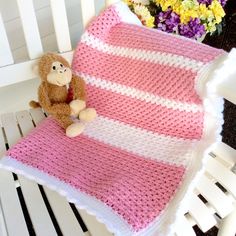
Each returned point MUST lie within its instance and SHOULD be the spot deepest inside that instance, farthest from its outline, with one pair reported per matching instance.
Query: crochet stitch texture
(134, 164)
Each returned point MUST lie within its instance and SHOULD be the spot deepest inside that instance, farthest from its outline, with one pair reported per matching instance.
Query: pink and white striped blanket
(136, 164)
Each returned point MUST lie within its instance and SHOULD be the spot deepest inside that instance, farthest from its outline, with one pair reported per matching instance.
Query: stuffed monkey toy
(62, 94)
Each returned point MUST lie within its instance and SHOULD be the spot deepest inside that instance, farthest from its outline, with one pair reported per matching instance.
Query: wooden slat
(226, 89)
(3, 229)
(183, 227)
(95, 228)
(13, 214)
(30, 28)
(225, 153)
(61, 25)
(36, 207)
(201, 214)
(2, 143)
(227, 226)
(11, 128)
(88, 11)
(23, 69)
(223, 175)
(215, 197)
(109, 2)
(37, 115)
(64, 214)
(5, 51)
(15, 223)
(25, 121)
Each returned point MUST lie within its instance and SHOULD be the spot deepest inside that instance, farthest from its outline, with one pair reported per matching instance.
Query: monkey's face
(59, 74)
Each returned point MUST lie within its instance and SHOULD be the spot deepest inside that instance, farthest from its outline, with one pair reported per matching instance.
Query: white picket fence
(29, 209)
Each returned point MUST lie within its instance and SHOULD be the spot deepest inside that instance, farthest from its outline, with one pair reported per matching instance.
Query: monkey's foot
(74, 130)
(88, 115)
(77, 106)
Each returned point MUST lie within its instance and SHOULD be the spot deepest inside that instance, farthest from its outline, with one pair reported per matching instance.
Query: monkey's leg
(72, 129)
(63, 120)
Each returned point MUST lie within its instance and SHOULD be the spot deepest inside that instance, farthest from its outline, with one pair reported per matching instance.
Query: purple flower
(222, 2)
(207, 2)
(167, 21)
(193, 29)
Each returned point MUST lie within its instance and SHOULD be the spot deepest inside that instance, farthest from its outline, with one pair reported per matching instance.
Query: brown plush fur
(52, 98)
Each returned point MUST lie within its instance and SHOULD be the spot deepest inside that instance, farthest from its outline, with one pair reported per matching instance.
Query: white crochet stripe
(141, 54)
(171, 150)
(139, 94)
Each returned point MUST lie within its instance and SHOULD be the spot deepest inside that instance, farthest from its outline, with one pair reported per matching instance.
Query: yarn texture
(136, 165)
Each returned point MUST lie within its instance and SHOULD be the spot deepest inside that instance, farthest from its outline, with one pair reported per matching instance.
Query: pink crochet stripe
(100, 30)
(90, 166)
(146, 115)
(142, 38)
(142, 74)
(117, 33)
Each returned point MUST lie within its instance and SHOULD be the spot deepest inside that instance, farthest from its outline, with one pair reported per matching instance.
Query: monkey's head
(54, 69)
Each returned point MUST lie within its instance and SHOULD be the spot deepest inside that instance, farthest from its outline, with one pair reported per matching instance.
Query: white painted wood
(88, 11)
(37, 115)
(61, 25)
(11, 128)
(36, 207)
(38, 212)
(183, 227)
(201, 214)
(23, 71)
(227, 226)
(95, 228)
(5, 51)
(30, 28)
(9, 202)
(2, 143)
(25, 122)
(64, 214)
(226, 89)
(13, 214)
(221, 174)
(3, 229)
(225, 153)
(215, 197)
(109, 2)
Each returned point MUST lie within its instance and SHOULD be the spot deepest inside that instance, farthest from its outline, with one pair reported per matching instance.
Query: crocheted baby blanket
(135, 166)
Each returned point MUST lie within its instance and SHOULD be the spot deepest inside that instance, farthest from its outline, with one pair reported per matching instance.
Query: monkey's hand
(77, 106)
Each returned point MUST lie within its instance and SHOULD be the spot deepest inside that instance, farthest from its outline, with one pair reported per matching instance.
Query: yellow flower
(210, 26)
(150, 22)
(217, 10)
(128, 2)
(186, 15)
(190, 4)
(165, 4)
(144, 15)
(205, 13)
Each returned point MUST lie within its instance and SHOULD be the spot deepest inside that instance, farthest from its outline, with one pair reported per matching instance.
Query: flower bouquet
(190, 18)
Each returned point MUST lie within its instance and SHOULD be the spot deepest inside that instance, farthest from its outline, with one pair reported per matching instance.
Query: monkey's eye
(61, 65)
(54, 67)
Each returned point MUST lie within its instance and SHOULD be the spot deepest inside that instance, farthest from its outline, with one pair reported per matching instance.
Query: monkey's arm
(47, 105)
(78, 87)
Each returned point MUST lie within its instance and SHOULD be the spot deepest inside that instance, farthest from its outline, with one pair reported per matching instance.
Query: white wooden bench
(30, 209)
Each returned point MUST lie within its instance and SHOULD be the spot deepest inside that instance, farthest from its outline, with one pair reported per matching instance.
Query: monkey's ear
(35, 69)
